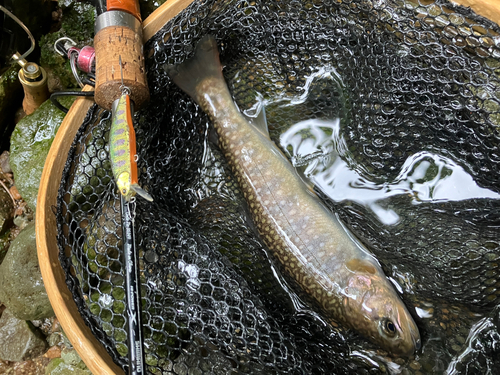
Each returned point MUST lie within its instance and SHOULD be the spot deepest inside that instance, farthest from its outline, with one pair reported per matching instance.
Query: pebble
(4, 162)
(415, 365)
(15, 193)
(53, 352)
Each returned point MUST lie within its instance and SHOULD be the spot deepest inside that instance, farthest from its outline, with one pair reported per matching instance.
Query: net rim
(87, 346)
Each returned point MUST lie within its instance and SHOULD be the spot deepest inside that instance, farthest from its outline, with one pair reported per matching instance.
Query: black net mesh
(404, 93)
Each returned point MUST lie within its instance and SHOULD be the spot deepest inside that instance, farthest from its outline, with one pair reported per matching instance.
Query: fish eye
(389, 328)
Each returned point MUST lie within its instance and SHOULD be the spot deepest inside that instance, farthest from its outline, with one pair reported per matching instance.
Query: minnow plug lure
(122, 148)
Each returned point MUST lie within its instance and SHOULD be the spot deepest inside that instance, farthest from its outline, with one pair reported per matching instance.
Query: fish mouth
(415, 341)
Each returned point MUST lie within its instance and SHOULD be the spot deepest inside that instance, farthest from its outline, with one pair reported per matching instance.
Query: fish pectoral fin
(259, 121)
(361, 265)
(302, 175)
(143, 193)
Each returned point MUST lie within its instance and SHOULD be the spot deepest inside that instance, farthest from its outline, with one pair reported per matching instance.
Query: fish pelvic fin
(143, 193)
(203, 65)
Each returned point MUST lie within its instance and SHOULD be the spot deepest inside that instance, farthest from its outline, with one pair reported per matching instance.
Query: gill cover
(374, 309)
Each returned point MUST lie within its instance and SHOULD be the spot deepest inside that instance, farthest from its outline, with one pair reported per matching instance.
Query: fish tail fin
(204, 64)
(143, 193)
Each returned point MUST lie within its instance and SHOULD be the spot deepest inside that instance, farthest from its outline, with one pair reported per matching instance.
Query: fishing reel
(81, 59)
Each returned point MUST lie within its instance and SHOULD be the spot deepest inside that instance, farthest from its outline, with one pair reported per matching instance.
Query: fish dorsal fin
(361, 265)
(143, 193)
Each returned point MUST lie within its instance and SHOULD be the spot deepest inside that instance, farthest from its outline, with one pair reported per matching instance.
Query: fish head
(373, 308)
(124, 185)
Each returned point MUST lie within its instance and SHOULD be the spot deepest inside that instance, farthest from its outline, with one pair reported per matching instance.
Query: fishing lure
(122, 149)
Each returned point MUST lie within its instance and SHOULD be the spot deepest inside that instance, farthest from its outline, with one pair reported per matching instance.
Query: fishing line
(55, 95)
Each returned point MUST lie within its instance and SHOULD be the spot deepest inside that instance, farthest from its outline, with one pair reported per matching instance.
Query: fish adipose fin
(143, 193)
(204, 64)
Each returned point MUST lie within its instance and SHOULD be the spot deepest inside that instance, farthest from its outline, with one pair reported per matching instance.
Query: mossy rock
(24, 341)
(30, 144)
(21, 285)
(78, 24)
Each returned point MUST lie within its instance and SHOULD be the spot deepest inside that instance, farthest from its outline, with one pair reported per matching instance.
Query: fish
(122, 150)
(308, 239)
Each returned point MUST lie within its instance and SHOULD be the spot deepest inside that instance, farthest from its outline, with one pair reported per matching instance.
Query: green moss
(78, 24)
(52, 365)
(30, 144)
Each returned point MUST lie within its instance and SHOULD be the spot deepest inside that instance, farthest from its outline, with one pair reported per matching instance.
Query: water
(323, 159)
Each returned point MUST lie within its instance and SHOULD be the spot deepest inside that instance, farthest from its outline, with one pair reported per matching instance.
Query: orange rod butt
(129, 6)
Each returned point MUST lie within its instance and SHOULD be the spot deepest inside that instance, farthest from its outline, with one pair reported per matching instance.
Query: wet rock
(19, 340)
(21, 285)
(69, 363)
(4, 162)
(30, 144)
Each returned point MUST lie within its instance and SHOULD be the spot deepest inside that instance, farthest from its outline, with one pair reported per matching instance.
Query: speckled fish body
(309, 241)
(122, 150)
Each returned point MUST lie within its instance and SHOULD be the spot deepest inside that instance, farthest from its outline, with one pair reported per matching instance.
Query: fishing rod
(118, 48)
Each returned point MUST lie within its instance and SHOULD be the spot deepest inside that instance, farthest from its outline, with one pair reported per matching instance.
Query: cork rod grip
(110, 43)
